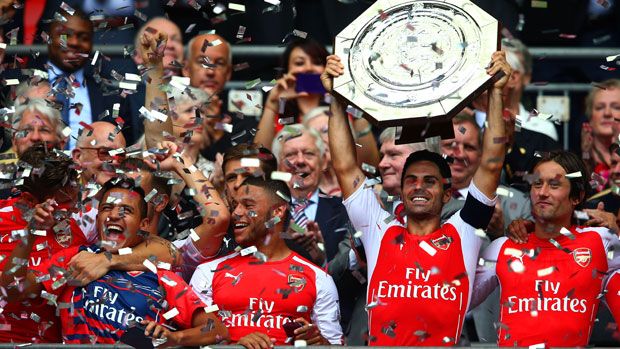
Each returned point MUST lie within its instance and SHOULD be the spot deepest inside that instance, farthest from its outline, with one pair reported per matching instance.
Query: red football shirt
(31, 320)
(613, 295)
(419, 286)
(261, 297)
(549, 290)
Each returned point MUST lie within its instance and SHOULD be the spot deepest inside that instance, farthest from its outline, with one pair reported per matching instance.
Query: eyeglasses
(103, 153)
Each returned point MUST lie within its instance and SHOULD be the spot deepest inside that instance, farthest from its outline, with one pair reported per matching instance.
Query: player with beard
(420, 274)
(266, 292)
(556, 277)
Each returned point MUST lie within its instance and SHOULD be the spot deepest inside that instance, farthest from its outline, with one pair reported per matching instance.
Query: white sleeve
(369, 217)
(326, 310)
(486, 277)
(191, 257)
(87, 222)
(202, 282)
(611, 244)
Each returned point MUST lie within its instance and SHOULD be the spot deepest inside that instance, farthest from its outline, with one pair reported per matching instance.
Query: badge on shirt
(582, 256)
(296, 282)
(64, 237)
(442, 242)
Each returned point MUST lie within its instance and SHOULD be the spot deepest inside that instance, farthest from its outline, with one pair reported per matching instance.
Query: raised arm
(368, 152)
(341, 143)
(155, 97)
(487, 175)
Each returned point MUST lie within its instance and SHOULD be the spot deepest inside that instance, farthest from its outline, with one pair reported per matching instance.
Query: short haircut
(389, 134)
(268, 162)
(517, 55)
(438, 160)
(129, 184)
(42, 106)
(571, 163)
(224, 42)
(24, 87)
(278, 191)
(317, 52)
(50, 171)
(159, 183)
(77, 12)
(463, 118)
(292, 131)
(607, 85)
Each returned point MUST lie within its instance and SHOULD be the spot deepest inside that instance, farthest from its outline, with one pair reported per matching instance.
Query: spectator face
(119, 219)
(234, 175)
(393, 159)
(253, 210)
(78, 34)
(184, 121)
(213, 79)
(605, 109)
(422, 190)
(301, 157)
(301, 62)
(550, 193)
(92, 153)
(35, 127)
(466, 152)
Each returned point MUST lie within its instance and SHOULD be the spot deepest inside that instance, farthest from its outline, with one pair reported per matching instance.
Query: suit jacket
(334, 222)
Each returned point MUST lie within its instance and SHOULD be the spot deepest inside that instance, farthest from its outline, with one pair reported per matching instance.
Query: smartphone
(310, 83)
(290, 327)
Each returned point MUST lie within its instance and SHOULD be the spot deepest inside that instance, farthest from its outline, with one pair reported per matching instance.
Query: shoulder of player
(594, 232)
(210, 266)
(496, 246)
(318, 272)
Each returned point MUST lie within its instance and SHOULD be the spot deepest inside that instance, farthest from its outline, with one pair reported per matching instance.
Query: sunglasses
(103, 154)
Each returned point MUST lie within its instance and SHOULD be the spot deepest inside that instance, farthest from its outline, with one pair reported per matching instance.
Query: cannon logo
(582, 256)
(442, 242)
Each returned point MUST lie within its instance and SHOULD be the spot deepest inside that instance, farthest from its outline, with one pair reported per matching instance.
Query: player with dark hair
(267, 293)
(421, 274)
(51, 177)
(556, 277)
(102, 310)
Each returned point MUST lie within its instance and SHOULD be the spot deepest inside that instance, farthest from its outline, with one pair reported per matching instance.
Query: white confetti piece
(612, 58)
(236, 7)
(124, 251)
(516, 266)
(133, 77)
(150, 266)
(300, 343)
(504, 192)
(581, 215)
(2, 45)
(273, 2)
(127, 85)
(211, 308)
(11, 82)
(480, 233)
(574, 175)
(39, 233)
(66, 131)
(164, 265)
(513, 252)
(168, 281)
(195, 237)
(171, 313)
(250, 162)
(248, 250)
(358, 234)
(567, 233)
(95, 58)
(281, 176)
(428, 248)
(545, 271)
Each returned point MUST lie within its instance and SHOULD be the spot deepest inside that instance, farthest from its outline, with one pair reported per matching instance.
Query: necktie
(299, 216)
(62, 97)
(457, 195)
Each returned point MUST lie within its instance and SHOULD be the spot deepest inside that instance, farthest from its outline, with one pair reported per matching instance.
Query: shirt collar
(313, 199)
(53, 72)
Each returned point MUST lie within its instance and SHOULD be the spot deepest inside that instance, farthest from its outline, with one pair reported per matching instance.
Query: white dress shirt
(311, 208)
(81, 96)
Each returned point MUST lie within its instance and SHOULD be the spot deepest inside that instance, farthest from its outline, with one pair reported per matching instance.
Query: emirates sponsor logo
(582, 256)
(442, 242)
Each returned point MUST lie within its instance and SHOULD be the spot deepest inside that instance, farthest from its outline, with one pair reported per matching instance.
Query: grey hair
(224, 42)
(292, 131)
(313, 113)
(517, 55)
(40, 105)
(22, 90)
(389, 134)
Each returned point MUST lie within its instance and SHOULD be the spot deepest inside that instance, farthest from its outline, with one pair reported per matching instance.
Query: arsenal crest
(442, 242)
(296, 282)
(582, 256)
(63, 237)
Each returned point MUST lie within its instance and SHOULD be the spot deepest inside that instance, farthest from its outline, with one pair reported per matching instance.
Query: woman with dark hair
(284, 105)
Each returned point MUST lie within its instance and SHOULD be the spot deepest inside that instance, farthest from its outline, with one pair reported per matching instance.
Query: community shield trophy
(416, 63)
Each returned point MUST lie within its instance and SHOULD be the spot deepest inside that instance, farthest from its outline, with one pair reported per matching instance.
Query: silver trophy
(416, 63)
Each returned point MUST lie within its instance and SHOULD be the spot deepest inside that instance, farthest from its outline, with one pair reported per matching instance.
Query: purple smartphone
(310, 83)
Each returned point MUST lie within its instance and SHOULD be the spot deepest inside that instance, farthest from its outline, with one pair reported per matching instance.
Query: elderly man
(35, 121)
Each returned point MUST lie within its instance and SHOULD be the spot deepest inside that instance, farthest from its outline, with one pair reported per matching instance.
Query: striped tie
(299, 216)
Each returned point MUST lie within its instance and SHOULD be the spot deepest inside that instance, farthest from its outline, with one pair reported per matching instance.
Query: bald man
(92, 152)
(209, 65)
(173, 52)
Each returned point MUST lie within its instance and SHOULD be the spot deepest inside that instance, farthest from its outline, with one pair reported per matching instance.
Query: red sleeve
(613, 297)
(79, 238)
(60, 260)
(180, 296)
